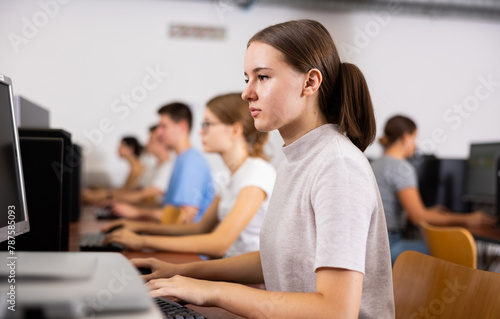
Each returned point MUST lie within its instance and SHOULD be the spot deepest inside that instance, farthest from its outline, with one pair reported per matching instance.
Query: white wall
(86, 56)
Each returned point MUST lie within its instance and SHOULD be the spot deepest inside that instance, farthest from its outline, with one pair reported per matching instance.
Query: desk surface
(89, 224)
(491, 235)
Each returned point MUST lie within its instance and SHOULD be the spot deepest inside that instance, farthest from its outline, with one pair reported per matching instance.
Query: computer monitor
(30, 114)
(442, 181)
(451, 185)
(427, 169)
(52, 164)
(481, 185)
(13, 210)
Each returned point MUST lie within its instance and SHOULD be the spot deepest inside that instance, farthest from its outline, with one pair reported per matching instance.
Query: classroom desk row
(89, 224)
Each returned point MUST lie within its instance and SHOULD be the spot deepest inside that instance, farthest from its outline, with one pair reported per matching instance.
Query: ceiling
(477, 9)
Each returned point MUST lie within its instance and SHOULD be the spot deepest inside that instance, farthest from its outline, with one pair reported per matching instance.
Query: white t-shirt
(326, 211)
(162, 174)
(254, 172)
(156, 174)
(149, 161)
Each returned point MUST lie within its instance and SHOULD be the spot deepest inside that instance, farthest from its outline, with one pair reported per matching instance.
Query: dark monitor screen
(452, 175)
(12, 195)
(442, 182)
(482, 171)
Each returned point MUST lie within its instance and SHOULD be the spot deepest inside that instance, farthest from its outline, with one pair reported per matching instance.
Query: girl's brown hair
(395, 128)
(231, 109)
(343, 96)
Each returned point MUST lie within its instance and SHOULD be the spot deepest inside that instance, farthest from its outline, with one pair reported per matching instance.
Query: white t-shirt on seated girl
(254, 172)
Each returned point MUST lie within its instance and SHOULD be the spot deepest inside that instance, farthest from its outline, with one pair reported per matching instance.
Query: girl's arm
(130, 211)
(412, 202)
(244, 269)
(136, 171)
(213, 244)
(218, 241)
(338, 295)
(136, 196)
(206, 224)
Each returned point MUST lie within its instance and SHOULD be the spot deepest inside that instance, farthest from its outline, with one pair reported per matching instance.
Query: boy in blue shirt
(190, 189)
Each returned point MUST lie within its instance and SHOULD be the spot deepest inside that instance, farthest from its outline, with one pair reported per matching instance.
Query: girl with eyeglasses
(231, 225)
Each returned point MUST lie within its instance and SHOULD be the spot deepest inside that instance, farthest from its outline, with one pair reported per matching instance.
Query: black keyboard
(105, 213)
(172, 310)
(94, 242)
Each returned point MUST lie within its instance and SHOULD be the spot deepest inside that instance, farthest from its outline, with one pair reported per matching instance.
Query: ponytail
(384, 141)
(256, 145)
(356, 118)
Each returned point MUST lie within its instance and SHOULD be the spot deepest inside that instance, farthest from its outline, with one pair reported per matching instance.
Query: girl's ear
(237, 129)
(312, 82)
(405, 138)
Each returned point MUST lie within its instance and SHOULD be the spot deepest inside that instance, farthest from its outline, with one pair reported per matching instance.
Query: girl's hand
(125, 237)
(159, 269)
(193, 291)
(480, 219)
(126, 210)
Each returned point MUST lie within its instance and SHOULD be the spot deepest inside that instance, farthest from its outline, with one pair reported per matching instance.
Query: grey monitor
(13, 211)
(29, 114)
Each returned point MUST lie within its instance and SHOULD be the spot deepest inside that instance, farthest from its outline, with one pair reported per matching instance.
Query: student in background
(190, 190)
(324, 251)
(129, 149)
(398, 185)
(232, 223)
(154, 180)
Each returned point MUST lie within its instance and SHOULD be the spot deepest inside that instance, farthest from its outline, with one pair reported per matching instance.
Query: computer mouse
(144, 270)
(112, 229)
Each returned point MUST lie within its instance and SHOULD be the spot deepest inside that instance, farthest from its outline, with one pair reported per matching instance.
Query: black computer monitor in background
(53, 164)
(13, 210)
(441, 181)
(76, 164)
(483, 178)
(44, 194)
(427, 169)
(482, 173)
(451, 189)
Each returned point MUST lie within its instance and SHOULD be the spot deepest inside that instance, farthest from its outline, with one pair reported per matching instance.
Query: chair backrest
(453, 244)
(428, 287)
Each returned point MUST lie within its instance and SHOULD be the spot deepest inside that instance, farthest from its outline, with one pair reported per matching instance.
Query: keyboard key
(173, 310)
(94, 242)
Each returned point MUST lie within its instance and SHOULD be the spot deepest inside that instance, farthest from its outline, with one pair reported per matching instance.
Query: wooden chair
(453, 244)
(428, 287)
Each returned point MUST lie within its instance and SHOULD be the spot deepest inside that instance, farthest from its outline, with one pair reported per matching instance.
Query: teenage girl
(324, 251)
(397, 181)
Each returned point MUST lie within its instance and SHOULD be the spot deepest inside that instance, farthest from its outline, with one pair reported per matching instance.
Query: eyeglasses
(206, 125)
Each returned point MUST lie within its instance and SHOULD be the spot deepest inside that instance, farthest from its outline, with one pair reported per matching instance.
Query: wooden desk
(89, 224)
(491, 235)
(487, 241)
